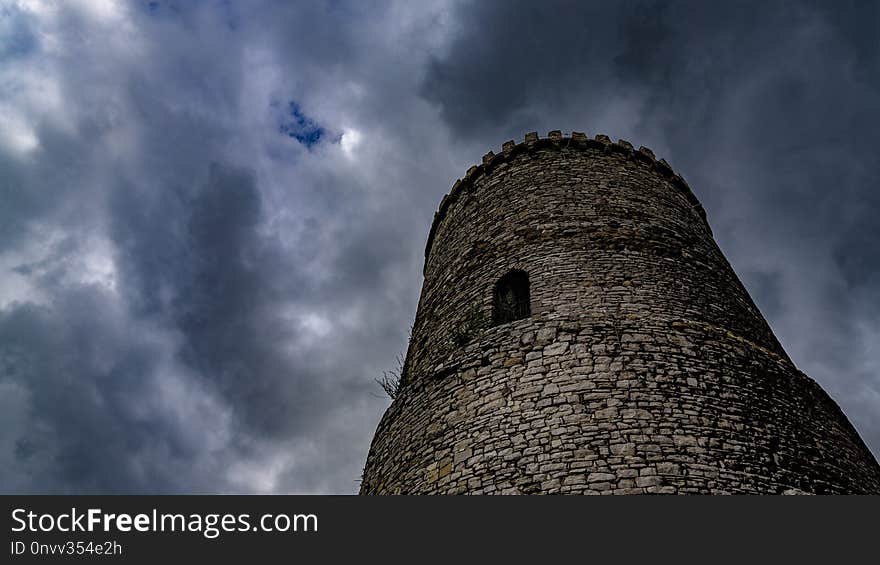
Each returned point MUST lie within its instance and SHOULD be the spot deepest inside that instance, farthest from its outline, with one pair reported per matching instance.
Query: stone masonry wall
(645, 367)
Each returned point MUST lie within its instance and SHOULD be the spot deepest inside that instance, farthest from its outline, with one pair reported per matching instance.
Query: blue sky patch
(301, 127)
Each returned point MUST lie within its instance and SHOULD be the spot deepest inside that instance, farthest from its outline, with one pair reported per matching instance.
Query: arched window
(511, 298)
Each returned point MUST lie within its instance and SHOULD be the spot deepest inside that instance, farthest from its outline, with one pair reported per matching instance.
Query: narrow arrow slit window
(511, 298)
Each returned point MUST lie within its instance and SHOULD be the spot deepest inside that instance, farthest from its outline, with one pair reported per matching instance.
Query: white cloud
(350, 140)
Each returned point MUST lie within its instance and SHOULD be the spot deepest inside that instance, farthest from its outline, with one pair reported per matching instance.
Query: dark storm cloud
(200, 266)
(771, 111)
(82, 370)
(197, 299)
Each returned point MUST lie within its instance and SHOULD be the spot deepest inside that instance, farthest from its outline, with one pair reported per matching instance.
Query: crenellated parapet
(555, 140)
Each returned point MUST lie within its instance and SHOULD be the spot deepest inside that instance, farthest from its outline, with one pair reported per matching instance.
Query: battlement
(557, 141)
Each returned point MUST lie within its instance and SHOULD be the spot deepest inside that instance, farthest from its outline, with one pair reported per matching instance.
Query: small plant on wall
(391, 380)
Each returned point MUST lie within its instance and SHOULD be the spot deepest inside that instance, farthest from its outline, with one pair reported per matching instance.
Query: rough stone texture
(644, 367)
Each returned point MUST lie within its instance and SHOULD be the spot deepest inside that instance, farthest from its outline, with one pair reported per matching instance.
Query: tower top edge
(557, 140)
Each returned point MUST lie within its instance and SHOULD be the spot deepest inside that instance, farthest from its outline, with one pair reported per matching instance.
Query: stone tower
(579, 331)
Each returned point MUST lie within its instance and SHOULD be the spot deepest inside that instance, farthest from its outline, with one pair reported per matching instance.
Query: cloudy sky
(213, 214)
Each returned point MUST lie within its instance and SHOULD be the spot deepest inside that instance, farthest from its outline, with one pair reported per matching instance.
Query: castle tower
(579, 331)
